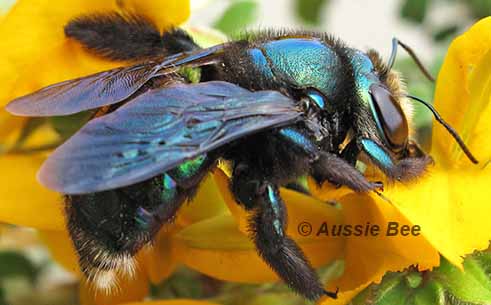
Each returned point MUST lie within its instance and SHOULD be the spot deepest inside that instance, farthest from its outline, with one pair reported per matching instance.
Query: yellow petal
(160, 260)
(223, 183)
(452, 209)
(61, 248)
(33, 40)
(165, 13)
(476, 121)
(215, 246)
(368, 257)
(43, 135)
(33, 33)
(10, 128)
(50, 69)
(23, 201)
(173, 302)
(327, 191)
(462, 95)
(207, 203)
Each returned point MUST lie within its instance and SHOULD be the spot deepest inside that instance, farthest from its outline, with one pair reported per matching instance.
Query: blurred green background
(29, 276)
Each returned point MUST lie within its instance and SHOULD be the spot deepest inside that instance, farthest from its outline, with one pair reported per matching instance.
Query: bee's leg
(108, 228)
(267, 229)
(402, 170)
(325, 166)
(332, 168)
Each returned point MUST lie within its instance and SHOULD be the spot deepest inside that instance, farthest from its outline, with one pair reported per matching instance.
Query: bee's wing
(160, 129)
(104, 88)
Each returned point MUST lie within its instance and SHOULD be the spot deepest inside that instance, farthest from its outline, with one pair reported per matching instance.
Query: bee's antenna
(395, 43)
(449, 128)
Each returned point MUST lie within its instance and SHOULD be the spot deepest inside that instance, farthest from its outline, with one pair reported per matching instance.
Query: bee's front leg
(332, 168)
(267, 229)
(327, 166)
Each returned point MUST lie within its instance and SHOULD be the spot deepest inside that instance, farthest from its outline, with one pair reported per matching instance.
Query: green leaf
(414, 10)
(445, 285)
(310, 11)
(469, 286)
(431, 293)
(14, 264)
(414, 279)
(238, 15)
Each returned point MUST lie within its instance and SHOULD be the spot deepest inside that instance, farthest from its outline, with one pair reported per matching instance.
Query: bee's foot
(377, 186)
(333, 295)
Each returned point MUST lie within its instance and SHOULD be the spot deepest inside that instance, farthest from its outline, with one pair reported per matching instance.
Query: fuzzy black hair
(126, 37)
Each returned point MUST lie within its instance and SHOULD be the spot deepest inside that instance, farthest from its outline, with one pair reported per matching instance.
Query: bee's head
(382, 118)
(382, 109)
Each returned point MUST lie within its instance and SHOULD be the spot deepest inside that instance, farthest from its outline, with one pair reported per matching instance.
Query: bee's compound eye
(317, 98)
(390, 117)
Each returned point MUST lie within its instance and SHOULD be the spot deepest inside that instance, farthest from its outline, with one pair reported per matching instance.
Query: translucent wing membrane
(85, 93)
(105, 88)
(160, 129)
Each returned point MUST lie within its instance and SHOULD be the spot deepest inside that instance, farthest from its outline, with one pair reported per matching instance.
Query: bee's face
(383, 103)
(390, 119)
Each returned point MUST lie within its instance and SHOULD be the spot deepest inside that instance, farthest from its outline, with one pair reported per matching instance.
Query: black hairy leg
(268, 232)
(329, 167)
(108, 228)
(126, 37)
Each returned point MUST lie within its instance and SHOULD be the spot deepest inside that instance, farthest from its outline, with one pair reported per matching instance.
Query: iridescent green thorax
(364, 74)
(300, 62)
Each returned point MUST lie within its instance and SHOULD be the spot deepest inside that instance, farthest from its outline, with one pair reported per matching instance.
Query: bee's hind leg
(268, 232)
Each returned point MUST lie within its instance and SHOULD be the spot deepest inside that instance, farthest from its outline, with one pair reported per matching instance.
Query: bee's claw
(378, 186)
(333, 295)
